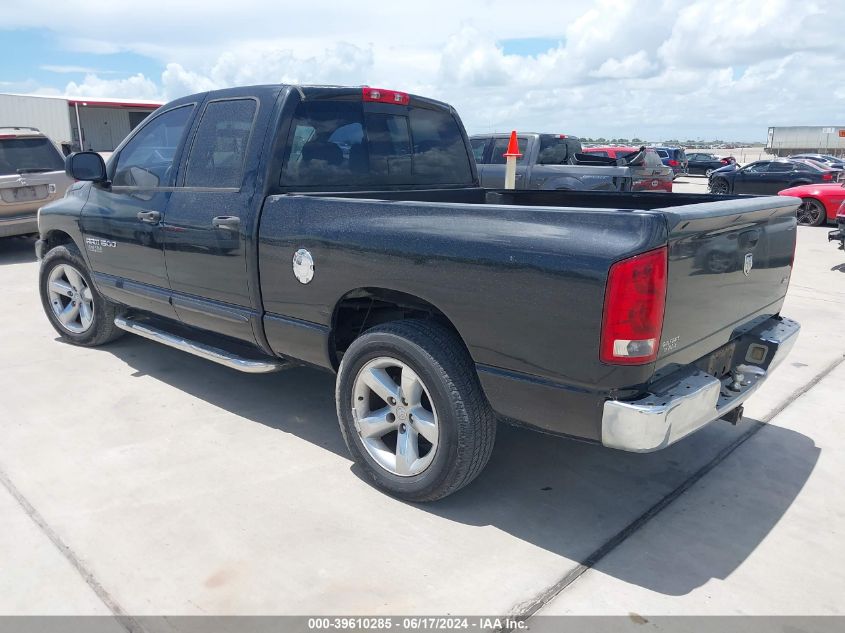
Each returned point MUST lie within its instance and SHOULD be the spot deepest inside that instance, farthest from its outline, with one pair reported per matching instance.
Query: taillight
(673, 162)
(827, 176)
(724, 161)
(634, 301)
(386, 96)
(841, 213)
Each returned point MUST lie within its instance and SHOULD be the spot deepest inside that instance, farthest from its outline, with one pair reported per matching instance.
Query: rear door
(121, 223)
(494, 171)
(210, 217)
(777, 177)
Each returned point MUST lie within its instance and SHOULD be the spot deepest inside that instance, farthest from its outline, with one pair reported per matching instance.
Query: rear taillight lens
(380, 95)
(724, 161)
(673, 162)
(827, 176)
(634, 301)
(840, 214)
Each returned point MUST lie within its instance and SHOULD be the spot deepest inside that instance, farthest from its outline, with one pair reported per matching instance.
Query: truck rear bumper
(690, 398)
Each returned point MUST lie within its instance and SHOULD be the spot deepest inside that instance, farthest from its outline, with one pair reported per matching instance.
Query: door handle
(151, 217)
(228, 222)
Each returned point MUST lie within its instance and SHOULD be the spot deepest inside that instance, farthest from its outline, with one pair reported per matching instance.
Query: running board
(214, 354)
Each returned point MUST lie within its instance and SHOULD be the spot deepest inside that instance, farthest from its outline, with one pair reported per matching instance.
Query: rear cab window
(341, 142)
(29, 154)
(558, 149)
(500, 146)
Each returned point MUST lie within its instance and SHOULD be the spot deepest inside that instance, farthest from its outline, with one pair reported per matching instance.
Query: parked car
(648, 173)
(839, 234)
(706, 164)
(674, 157)
(366, 246)
(767, 177)
(31, 175)
(819, 202)
(823, 159)
(547, 161)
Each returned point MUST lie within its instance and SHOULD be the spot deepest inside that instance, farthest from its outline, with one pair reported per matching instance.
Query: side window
(781, 167)
(219, 147)
(500, 146)
(147, 159)
(757, 168)
(478, 145)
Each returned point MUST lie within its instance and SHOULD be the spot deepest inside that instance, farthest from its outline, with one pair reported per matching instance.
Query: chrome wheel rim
(394, 417)
(708, 172)
(70, 299)
(808, 213)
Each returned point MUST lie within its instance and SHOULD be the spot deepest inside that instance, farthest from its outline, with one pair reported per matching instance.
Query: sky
(653, 69)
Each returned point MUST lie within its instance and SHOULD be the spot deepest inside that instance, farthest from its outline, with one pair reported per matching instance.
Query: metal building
(104, 122)
(806, 139)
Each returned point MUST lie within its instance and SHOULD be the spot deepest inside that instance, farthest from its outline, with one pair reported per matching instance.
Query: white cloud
(651, 68)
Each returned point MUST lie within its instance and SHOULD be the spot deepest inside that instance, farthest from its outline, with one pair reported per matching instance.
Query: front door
(121, 222)
(751, 178)
(210, 220)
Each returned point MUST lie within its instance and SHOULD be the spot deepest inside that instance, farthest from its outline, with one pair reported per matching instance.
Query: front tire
(74, 307)
(720, 186)
(811, 212)
(412, 411)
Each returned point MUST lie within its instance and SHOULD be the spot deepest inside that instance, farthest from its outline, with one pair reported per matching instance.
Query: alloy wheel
(394, 416)
(70, 298)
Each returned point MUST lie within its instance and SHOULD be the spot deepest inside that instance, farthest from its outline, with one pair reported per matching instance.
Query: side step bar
(217, 355)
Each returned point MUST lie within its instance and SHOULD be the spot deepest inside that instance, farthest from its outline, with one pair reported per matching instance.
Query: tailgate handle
(749, 238)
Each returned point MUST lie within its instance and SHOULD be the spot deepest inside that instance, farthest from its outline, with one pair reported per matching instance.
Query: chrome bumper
(690, 398)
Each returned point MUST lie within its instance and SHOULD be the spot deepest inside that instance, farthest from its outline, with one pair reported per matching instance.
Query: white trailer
(104, 122)
(806, 139)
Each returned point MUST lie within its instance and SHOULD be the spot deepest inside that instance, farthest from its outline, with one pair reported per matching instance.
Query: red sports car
(819, 202)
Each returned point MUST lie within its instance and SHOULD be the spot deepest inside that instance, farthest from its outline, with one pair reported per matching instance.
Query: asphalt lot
(137, 479)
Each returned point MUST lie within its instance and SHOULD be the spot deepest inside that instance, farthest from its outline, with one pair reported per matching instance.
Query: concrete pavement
(145, 481)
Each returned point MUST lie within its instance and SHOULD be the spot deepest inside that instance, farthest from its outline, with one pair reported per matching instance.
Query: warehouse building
(104, 123)
(806, 139)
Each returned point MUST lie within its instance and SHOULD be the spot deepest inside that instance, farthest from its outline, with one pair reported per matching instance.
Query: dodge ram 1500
(345, 228)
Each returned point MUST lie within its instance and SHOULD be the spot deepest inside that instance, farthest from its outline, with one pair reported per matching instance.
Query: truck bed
(510, 269)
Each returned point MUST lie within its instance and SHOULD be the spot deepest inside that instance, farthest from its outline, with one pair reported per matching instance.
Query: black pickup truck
(345, 228)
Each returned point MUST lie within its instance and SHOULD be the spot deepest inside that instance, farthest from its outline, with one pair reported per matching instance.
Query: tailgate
(729, 267)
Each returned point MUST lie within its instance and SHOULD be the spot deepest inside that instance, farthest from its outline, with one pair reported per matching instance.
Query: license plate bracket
(719, 363)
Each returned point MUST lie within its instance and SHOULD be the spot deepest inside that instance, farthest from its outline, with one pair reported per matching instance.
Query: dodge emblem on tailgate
(749, 263)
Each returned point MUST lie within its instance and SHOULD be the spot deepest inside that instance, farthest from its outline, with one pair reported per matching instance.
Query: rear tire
(811, 212)
(425, 429)
(74, 307)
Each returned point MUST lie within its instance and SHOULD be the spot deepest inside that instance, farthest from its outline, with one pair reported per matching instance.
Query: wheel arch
(363, 308)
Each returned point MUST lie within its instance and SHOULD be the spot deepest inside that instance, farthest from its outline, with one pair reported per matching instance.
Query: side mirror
(86, 166)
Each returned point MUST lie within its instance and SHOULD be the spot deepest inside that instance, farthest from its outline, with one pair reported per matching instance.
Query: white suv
(32, 173)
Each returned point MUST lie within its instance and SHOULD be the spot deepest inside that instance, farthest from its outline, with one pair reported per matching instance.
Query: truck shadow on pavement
(17, 250)
(564, 496)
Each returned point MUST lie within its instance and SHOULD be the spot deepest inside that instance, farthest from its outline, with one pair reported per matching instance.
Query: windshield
(27, 155)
